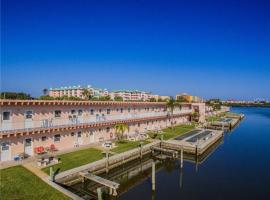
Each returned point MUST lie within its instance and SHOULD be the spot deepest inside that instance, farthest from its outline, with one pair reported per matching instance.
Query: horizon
(211, 49)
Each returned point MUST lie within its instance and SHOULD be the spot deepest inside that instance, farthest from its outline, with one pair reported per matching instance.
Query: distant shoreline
(248, 105)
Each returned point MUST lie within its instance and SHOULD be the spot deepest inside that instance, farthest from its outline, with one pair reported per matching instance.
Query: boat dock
(195, 142)
(227, 123)
(113, 186)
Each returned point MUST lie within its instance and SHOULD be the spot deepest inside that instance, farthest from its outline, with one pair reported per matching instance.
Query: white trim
(9, 150)
(32, 145)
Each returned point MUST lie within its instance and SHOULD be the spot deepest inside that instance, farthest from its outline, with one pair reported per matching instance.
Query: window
(92, 111)
(57, 138)
(108, 111)
(128, 109)
(122, 110)
(100, 110)
(73, 112)
(108, 129)
(28, 114)
(6, 115)
(139, 124)
(57, 113)
(99, 130)
(117, 110)
(43, 138)
(79, 134)
(80, 112)
(72, 134)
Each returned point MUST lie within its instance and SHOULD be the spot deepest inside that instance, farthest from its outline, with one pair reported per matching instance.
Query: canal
(237, 167)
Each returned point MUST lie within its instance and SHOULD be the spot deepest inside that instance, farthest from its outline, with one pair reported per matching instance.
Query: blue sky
(217, 48)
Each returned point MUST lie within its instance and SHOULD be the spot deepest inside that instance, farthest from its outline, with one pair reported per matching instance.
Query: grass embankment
(76, 159)
(177, 130)
(172, 132)
(127, 145)
(222, 115)
(19, 183)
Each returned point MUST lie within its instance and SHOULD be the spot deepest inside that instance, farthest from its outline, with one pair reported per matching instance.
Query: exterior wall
(144, 114)
(69, 140)
(199, 107)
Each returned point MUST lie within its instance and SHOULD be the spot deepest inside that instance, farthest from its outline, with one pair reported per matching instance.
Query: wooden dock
(173, 153)
(113, 186)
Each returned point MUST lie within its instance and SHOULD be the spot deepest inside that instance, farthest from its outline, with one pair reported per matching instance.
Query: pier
(113, 186)
(173, 153)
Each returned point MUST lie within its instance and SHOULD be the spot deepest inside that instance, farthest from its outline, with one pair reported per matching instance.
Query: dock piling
(181, 159)
(153, 176)
(99, 193)
(107, 161)
(51, 174)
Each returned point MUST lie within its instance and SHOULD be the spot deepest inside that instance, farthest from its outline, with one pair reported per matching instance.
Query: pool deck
(225, 124)
(196, 143)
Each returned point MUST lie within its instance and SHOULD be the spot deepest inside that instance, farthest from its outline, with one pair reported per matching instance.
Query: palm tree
(86, 94)
(171, 104)
(195, 116)
(120, 130)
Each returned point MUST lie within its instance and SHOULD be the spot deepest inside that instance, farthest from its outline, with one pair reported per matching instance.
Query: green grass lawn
(213, 118)
(76, 159)
(19, 183)
(177, 130)
(127, 145)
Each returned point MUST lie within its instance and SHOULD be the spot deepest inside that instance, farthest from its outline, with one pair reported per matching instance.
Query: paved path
(35, 170)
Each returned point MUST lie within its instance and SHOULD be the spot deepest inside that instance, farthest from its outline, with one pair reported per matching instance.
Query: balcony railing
(57, 122)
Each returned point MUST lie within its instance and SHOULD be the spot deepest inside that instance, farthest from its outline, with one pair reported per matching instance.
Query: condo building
(134, 95)
(188, 98)
(29, 124)
(77, 91)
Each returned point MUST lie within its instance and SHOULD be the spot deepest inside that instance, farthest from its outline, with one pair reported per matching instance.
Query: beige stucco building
(28, 124)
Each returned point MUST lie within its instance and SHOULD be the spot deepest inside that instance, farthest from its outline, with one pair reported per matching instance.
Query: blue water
(238, 169)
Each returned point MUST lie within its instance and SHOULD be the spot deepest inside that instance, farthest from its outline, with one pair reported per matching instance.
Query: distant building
(188, 98)
(134, 95)
(77, 91)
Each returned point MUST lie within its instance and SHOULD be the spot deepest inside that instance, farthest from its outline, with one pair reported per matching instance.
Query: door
(5, 151)
(28, 149)
(92, 137)
(6, 121)
(28, 122)
(79, 138)
(80, 116)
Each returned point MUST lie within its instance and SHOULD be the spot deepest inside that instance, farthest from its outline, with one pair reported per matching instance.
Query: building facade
(29, 124)
(77, 91)
(128, 95)
(189, 98)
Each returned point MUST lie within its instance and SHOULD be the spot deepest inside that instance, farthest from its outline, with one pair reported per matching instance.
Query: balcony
(28, 124)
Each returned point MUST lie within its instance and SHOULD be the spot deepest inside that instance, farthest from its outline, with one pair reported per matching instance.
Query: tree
(104, 98)
(153, 100)
(195, 116)
(86, 94)
(46, 97)
(171, 104)
(16, 95)
(45, 91)
(118, 98)
(120, 130)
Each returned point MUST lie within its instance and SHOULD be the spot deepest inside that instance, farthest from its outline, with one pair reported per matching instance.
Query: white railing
(58, 122)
